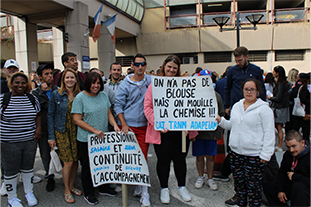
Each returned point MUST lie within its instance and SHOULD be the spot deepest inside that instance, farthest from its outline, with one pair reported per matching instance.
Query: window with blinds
(217, 57)
(289, 55)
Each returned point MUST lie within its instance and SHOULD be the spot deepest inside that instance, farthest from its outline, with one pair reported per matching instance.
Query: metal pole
(238, 29)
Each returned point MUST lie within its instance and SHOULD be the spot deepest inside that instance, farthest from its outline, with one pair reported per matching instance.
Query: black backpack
(7, 97)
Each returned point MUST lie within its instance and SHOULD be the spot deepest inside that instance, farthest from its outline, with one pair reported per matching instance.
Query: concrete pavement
(200, 197)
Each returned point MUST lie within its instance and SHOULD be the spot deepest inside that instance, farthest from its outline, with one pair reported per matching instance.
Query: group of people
(62, 111)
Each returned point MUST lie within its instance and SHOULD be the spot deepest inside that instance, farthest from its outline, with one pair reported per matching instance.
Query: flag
(110, 24)
(97, 20)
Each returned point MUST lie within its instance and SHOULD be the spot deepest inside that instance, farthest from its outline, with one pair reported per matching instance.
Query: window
(125, 61)
(188, 58)
(257, 56)
(289, 55)
(184, 15)
(217, 57)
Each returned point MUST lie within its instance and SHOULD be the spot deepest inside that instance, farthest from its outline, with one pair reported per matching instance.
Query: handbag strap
(299, 90)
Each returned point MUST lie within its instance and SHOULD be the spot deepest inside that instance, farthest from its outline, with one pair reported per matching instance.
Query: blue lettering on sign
(133, 168)
(178, 124)
(160, 124)
(99, 149)
(130, 147)
(101, 168)
(203, 125)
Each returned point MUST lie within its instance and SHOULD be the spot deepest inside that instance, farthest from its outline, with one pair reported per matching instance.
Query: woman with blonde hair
(293, 76)
(63, 131)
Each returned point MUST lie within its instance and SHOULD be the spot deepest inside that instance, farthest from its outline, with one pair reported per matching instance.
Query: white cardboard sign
(117, 158)
(184, 103)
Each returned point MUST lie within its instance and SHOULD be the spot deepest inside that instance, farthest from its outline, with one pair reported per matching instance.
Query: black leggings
(169, 150)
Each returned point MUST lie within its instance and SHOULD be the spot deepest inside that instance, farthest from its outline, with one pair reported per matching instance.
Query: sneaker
(118, 188)
(31, 199)
(144, 200)
(277, 149)
(50, 186)
(184, 194)
(220, 177)
(137, 191)
(3, 190)
(108, 192)
(14, 202)
(211, 183)
(165, 196)
(232, 202)
(92, 200)
(35, 179)
(200, 182)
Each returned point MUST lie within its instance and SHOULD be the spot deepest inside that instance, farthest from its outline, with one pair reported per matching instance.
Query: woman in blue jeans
(63, 131)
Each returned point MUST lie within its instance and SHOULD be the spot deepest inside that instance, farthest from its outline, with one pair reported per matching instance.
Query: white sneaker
(3, 190)
(137, 191)
(35, 179)
(14, 202)
(118, 188)
(200, 182)
(144, 200)
(165, 196)
(211, 183)
(184, 194)
(31, 199)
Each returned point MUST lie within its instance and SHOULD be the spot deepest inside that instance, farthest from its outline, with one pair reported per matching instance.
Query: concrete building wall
(45, 53)
(156, 43)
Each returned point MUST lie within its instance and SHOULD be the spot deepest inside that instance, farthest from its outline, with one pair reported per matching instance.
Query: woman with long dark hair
(280, 102)
(167, 144)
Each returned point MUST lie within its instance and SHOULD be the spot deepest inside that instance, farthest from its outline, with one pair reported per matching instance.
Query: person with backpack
(20, 130)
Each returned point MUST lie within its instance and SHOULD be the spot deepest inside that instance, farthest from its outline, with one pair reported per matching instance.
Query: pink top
(153, 136)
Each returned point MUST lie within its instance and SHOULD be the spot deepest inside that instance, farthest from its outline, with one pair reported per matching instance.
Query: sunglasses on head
(137, 64)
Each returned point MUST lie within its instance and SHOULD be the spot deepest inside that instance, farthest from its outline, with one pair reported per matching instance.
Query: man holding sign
(129, 107)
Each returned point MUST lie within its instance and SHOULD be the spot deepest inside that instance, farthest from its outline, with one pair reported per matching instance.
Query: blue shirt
(94, 110)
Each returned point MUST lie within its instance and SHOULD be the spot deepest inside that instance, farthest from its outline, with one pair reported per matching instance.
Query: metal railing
(289, 15)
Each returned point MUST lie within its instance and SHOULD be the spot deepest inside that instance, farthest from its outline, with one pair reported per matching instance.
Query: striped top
(18, 120)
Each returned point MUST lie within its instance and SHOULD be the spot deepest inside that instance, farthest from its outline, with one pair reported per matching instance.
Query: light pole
(222, 20)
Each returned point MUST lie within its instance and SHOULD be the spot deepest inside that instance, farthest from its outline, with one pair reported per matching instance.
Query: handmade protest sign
(184, 103)
(117, 158)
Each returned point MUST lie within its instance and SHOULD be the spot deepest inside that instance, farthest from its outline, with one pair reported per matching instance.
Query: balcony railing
(279, 16)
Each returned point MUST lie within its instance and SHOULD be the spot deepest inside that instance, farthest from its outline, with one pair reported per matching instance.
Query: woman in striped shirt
(20, 128)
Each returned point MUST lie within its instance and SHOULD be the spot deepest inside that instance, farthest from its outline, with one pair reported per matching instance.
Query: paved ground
(200, 197)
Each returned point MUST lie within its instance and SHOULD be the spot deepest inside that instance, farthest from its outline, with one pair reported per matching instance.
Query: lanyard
(295, 161)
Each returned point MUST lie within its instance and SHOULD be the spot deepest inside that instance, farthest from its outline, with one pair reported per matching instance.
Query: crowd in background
(58, 109)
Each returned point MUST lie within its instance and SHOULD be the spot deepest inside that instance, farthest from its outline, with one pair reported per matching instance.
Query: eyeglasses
(249, 90)
(17, 82)
(142, 64)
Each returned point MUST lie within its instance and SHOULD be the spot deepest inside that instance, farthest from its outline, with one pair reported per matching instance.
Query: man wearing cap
(43, 93)
(69, 60)
(10, 67)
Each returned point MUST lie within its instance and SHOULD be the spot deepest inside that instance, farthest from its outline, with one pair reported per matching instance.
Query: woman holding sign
(167, 144)
(251, 141)
(91, 113)
(63, 131)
